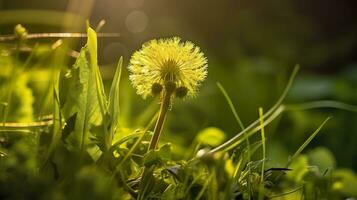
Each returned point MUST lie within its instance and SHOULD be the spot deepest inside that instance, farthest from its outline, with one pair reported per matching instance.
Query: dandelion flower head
(167, 60)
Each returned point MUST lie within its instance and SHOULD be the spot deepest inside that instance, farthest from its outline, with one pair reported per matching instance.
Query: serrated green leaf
(85, 96)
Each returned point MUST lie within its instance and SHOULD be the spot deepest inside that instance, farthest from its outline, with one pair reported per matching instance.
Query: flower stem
(165, 104)
(147, 172)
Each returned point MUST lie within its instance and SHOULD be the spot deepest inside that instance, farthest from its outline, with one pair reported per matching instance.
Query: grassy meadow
(134, 99)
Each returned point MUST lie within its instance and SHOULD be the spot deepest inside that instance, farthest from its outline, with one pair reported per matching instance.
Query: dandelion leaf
(114, 97)
(83, 96)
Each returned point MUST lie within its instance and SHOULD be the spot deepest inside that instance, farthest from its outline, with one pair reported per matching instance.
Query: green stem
(165, 104)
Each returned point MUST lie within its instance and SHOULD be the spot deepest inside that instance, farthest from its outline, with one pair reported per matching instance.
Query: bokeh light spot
(136, 21)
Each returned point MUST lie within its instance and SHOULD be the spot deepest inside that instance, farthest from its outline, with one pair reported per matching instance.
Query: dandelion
(168, 61)
(169, 68)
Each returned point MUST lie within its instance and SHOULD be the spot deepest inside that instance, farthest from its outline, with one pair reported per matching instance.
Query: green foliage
(114, 106)
(211, 136)
(14, 88)
(81, 95)
(83, 151)
(322, 158)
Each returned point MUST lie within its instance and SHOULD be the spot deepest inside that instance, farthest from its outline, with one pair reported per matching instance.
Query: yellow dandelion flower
(167, 60)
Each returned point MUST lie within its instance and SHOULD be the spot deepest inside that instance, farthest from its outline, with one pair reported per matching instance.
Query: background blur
(251, 47)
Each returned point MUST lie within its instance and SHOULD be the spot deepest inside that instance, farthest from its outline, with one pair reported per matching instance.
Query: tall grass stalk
(239, 121)
(261, 186)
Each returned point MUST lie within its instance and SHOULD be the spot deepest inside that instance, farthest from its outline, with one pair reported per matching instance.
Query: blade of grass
(286, 193)
(208, 180)
(114, 104)
(230, 143)
(230, 103)
(136, 144)
(26, 124)
(239, 121)
(250, 131)
(313, 105)
(264, 153)
(190, 184)
(140, 136)
(307, 141)
(57, 125)
(243, 136)
(302, 147)
(322, 104)
(114, 101)
(18, 131)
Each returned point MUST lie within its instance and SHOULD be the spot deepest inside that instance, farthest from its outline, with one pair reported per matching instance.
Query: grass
(261, 187)
(81, 150)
